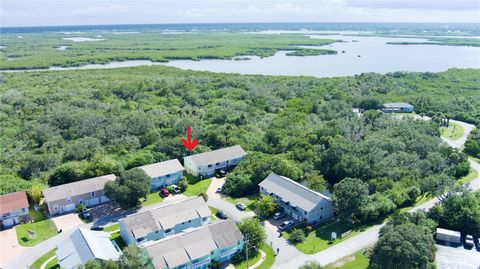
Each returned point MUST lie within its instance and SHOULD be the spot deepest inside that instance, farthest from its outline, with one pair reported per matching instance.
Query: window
(321, 208)
(209, 165)
(23, 210)
(93, 194)
(6, 215)
(168, 230)
(69, 199)
(217, 164)
(168, 176)
(189, 221)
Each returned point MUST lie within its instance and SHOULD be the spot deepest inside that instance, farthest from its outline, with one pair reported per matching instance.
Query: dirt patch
(343, 261)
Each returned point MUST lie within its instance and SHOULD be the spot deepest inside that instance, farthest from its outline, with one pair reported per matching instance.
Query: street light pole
(246, 250)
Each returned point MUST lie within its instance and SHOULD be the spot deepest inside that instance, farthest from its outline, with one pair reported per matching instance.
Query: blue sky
(75, 12)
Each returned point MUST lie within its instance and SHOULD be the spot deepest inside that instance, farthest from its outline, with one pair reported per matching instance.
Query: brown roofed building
(12, 206)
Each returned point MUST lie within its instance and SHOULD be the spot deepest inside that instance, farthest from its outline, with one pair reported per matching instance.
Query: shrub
(183, 184)
(204, 196)
(296, 236)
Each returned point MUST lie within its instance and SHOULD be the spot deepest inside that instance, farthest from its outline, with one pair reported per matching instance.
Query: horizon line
(188, 23)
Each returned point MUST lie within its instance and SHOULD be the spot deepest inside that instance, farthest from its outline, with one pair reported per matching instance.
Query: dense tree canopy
(252, 231)
(59, 127)
(403, 245)
(129, 187)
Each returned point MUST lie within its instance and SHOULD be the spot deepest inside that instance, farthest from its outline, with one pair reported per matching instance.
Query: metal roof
(216, 156)
(390, 105)
(76, 188)
(84, 245)
(167, 216)
(293, 192)
(162, 168)
(448, 232)
(196, 243)
(13, 201)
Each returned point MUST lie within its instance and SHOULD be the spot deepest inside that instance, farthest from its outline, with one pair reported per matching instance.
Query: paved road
(457, 257)
(460, 142)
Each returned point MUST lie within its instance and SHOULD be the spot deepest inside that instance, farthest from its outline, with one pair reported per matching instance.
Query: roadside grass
(454, 131)
(420, 200)
(53, 264)
(267, 263)
(320, 238)
(214, 210)
(152, 198)
(358, 260)
(471, 176)
(249, 201)
(112, 228)
(44, 258)
(196, 185)
(118, 239)
(43, 230)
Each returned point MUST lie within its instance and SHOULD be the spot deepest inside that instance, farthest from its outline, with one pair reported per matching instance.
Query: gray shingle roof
(76, 188)
(179, 249)
(167, 216)
(293, 192)
(219, 155)
(162, 168)
(389, 105)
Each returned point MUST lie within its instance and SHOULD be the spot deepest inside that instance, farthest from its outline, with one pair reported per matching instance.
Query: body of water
(356, 55)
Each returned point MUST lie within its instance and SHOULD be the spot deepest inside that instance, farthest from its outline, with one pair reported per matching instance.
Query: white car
(469, 241)
(278, 215)
(241, 206)
(286, 225)
(176, 189)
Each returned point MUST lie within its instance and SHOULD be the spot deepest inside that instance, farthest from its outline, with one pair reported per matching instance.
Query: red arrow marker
(189, 143)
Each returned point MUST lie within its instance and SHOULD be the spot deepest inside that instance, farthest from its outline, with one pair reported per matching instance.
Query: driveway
(9, 247)
(460, 142)
(214, 185)
(67, 222)
(457, 257)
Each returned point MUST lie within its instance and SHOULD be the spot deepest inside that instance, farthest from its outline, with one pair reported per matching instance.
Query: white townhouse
(12, 207)
(163, 173)
(296, 200)
(207, 163)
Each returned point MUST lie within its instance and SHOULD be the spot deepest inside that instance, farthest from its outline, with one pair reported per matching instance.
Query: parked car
(85, 213)
(286, 225)
(176, 189)
(278, 215)
(97, 228)
(221, 215)
(478, 243)
(219, 190)
(221, 173)
(241, 206)
(469, 241)
(164, 192)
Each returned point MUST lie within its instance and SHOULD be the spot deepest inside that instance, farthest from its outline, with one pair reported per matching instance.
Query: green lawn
(44, 258)
(319, 239)
(196, 186)
(43, 229)
(471, 176)
(249, 201)
(152, 198)
(454, 131)
(53, 264)
(112, 228)
(267, 263)
(214, 210)
(118, 239)
(356, 261)
(420, 200)
(36, 215)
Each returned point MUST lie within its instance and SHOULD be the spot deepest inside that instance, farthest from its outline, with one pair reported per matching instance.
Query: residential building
(197, 248)
(398, 108)
(165, 220)
(296, 200)
(164, 173)
(207, 163)
(84, 245)
(12, 207)
(65, 198)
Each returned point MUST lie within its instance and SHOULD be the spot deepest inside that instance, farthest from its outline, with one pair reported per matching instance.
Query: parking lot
(449, 257)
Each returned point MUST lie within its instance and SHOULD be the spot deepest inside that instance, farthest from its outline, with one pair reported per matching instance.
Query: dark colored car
(221, 173)
(222, 215)
(96, 228)
(164, 192)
